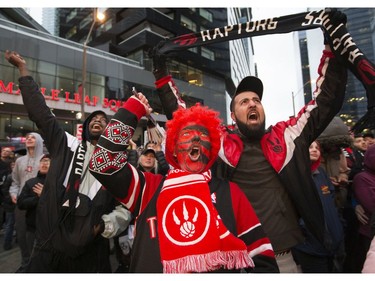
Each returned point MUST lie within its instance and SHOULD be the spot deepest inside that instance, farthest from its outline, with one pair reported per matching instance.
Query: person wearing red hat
(187, 221)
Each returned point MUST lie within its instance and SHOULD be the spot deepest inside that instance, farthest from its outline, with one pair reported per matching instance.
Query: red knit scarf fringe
(192, 236)
(209, 262)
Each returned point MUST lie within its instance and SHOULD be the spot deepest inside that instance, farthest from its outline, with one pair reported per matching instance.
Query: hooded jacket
(28, 200)
(364, 189)
(26, 167)
(333, 139)
(62, 147)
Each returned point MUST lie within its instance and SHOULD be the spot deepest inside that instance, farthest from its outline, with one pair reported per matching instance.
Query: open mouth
(195, 154)
(253, 116)
(97, 126)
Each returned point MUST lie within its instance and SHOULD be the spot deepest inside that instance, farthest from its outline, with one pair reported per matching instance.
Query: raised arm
(109, 162)
(15, 59)
(167, 90)
(53, 134)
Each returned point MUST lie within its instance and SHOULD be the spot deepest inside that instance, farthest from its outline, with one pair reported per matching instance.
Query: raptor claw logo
(189, 220)
(276, 147)
(187, 229)
(186, 40)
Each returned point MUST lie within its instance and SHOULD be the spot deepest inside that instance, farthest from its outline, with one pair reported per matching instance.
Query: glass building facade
(56, 65)
(360, 24)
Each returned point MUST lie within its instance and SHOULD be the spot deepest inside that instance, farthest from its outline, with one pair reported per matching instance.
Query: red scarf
(192, 236)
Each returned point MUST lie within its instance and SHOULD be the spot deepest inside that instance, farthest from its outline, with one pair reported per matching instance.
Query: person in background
(356, 163)
(29, 198)
(311, 255)
(4, 171)
(153, 145)
(354, 214)
(5, 160)
(364, 191)
(333, 140)
(369, 139)
(26, 167)
(147, 161)
(151, 158)
(186, 221)
(9, 208)
(75, 215)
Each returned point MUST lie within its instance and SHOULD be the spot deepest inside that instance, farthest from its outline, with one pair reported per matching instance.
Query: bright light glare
(100, 16)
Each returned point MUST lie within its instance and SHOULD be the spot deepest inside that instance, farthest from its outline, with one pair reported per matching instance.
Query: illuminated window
(188, 23)
(71, 32)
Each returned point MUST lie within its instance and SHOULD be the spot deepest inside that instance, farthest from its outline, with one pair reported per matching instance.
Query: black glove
(336, 17)
(159, 61)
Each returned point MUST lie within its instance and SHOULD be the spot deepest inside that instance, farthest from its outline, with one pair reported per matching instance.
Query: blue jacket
(334, 228)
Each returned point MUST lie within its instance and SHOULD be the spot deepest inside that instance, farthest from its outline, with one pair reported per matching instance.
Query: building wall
(110, 78)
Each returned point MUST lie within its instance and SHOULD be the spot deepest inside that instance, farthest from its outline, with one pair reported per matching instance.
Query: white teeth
(252, 115)
(194, 154)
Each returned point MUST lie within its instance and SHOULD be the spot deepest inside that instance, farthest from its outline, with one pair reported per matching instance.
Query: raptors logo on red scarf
(192, 236)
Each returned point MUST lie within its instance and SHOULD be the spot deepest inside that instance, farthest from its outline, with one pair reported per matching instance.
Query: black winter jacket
(28, 200)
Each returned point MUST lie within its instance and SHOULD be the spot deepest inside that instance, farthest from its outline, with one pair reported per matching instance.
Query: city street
(9, 260)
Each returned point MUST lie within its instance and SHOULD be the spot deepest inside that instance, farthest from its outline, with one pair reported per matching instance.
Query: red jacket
(286, 144)
(139, 191)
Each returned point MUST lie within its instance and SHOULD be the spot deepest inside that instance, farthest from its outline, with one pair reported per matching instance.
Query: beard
(254, 132)
(94, 136)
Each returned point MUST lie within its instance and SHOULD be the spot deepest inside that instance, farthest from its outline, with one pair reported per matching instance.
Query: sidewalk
(9, 260)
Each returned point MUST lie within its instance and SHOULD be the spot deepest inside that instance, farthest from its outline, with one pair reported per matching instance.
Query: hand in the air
(144, 101)
(336, 17)
(15, 59)
(159, 61)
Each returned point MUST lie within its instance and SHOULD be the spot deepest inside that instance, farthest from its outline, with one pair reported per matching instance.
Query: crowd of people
(297, 197)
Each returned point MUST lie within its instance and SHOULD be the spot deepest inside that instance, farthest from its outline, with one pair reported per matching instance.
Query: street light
(294, 95)
(99, 16)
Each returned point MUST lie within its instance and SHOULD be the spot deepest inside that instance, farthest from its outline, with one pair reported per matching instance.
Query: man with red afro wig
(195, 117)
(186, 221)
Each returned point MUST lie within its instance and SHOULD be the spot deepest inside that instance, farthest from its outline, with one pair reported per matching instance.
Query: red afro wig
(199, 115)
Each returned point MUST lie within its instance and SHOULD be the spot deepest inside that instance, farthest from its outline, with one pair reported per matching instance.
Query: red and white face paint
(193, 148)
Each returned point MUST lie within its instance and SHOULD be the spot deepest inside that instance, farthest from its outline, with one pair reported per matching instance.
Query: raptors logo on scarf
(192, 236)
